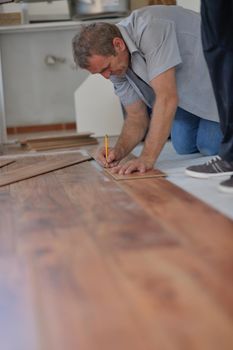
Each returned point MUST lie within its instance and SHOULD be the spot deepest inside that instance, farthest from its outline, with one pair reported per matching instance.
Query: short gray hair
(95, 38)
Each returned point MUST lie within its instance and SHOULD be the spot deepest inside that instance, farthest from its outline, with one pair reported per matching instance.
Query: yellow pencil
(106, 146)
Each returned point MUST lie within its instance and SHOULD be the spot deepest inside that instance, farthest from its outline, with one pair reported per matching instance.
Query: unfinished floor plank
(106, 265)
(43, 139)
(170, 293)
(6, 162)
(133, 176)
(137, 175)
(39, 168)
(56, 142)
(57, 145)
(80, 302)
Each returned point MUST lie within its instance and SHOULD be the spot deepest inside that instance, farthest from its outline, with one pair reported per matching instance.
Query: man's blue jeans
(191, 134)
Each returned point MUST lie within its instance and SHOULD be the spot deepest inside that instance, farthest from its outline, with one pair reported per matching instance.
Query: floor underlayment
(205, 189)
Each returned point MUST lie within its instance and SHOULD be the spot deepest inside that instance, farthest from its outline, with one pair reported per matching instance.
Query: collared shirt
(141, 87)
(159, 38)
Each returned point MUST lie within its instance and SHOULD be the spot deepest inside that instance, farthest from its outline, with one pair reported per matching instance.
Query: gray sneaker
(226, 186)
(214, 167)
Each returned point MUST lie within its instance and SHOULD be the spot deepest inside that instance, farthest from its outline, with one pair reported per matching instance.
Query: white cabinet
(38, 76)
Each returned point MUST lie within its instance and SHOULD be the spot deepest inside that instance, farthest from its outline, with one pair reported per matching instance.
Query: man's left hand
(139, 164)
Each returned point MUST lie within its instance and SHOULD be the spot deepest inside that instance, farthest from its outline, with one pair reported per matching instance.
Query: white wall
(190, 4)
(76, 79)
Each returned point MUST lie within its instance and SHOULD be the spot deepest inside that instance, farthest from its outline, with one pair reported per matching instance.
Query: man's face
(109, 65)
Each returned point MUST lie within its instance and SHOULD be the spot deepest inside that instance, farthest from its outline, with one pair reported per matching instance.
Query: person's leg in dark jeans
(217, 39)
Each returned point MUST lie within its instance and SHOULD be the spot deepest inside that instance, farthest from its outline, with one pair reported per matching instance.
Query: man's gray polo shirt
(159, 38)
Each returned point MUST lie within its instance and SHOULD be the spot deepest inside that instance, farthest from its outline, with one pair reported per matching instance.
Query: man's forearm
(160, 126)
(133, 131)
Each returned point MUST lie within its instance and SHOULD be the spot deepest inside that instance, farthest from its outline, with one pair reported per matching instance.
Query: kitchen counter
(40, 26)
(33, 27)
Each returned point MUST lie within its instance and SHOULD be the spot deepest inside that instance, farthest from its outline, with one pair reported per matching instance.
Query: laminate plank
(18, 327)
(183, 213)
(57, 145)
(203, 230)
(4, 162)
(39, 168)
(200, 275)
(80, 301)
(42, 139)
(176, 289)
(107, 265)
(137, 175)
(57, 142)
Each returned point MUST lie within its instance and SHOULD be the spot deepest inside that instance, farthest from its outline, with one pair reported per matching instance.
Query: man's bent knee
(184, 147)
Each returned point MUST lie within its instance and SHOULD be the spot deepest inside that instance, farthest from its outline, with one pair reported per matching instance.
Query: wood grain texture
(137, 175)
(89, 263)
(56, 142)
(58, 145)
(4, 162)
(43, 139)
(39, 168)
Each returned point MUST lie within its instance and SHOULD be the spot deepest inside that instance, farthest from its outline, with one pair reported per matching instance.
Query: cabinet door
(39, 78)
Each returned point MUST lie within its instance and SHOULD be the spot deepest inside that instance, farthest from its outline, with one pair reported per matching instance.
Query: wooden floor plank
(204, 287)
(201, 229)
(73, 142)
(178, 299)
(107, 265)
(43, 139)
(18, 323)
(137, 175)
(48, 146)
(39, 168)
(186, 215)
(4, 162)
(68, 266)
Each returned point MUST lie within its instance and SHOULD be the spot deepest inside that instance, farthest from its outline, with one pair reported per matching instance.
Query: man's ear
(119, 44)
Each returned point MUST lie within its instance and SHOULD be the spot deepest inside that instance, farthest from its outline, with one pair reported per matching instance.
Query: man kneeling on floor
(155, 60)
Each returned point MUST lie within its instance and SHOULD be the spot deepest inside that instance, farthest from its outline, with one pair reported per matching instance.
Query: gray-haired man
(154, 59)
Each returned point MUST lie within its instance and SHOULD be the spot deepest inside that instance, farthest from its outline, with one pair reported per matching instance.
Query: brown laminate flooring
(137, 175)
(5, 162)
(90, 263)
(23, 171)
(58, 142)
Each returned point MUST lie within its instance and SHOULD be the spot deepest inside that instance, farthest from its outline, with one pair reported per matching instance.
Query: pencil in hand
(106, 146)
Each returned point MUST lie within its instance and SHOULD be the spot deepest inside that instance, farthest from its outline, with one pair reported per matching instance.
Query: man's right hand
(112, 160)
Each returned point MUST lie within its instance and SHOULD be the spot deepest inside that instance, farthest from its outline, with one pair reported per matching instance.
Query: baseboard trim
(23, 129)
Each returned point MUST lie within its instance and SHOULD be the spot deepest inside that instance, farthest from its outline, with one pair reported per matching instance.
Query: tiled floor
(205, 189)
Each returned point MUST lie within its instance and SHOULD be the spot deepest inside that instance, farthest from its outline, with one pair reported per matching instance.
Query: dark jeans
(217, 39)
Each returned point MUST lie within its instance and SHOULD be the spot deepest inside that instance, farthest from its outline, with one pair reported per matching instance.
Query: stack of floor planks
(57, 142)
